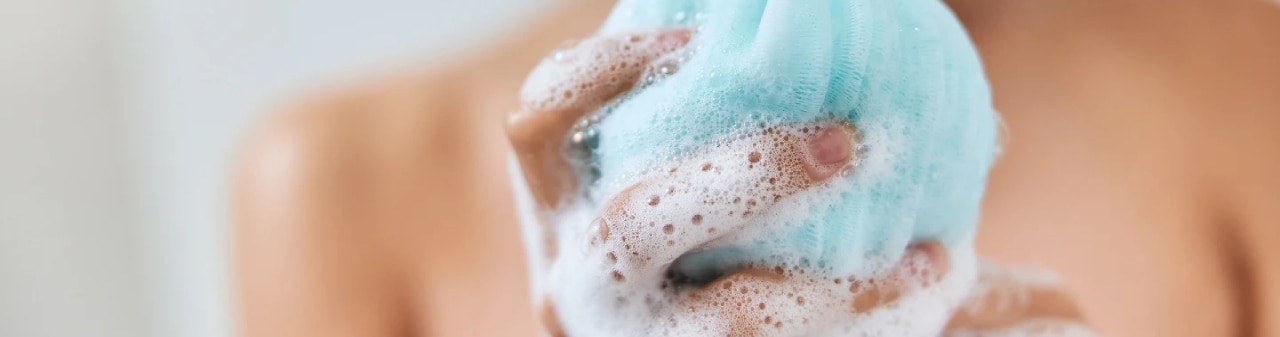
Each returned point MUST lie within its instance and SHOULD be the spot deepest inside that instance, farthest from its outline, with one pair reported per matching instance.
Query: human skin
(382, 209)
(792, 158)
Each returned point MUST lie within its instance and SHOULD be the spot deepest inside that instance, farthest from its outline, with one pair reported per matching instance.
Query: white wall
(211, 66)
(118, 123)
(70, 263)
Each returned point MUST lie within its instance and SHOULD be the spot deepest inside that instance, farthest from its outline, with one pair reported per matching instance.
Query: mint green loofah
(902, 71)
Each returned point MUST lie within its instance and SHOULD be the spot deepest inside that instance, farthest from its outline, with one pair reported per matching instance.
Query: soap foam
(612, 277)
(902, 72)
(695, 173)
(574, 72)
(1034, 328)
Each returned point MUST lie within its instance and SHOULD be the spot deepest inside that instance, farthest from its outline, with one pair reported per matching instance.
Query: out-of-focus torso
(1139, 139)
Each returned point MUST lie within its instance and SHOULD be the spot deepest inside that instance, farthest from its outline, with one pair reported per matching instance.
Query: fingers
(695, 202)
(550, 319)
(567, 86)
(649, 227)
(595, 70)
(923, 265)
(1006, 299)
(677, 212)
(753, 302)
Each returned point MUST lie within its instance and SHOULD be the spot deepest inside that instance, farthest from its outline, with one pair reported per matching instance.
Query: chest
(1119, 222)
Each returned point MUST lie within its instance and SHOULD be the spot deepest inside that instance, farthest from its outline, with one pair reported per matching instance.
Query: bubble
(847, 170)
(601, 228)
(679, 17)
(667, 68)
(660, 151)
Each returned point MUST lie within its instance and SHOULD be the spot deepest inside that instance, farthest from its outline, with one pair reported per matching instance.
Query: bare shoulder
(348, 141)
(354, 118)
(318, 199)
(380, 161)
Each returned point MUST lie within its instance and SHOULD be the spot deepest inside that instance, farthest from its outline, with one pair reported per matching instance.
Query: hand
(564, 88)
(770, 166)
(1013, 302)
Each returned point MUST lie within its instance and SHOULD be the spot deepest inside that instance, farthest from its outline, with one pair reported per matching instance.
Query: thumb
(1017, 302)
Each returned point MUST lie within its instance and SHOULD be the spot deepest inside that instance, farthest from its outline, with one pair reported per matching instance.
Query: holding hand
(648, 230)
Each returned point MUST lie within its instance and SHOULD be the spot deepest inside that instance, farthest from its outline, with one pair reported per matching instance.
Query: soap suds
(698, 214)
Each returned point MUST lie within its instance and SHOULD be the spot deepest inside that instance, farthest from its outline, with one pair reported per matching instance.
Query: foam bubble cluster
(594, 73)
(701, 214)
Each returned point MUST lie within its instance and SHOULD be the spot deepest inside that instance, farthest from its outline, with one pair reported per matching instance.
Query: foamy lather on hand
(902, 73)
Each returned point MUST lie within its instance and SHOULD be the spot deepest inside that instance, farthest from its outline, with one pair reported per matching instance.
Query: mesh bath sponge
(903, 72)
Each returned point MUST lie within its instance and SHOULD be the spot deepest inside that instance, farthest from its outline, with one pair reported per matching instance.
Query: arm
(1254, 216)
(1260, 233)
(302, 268)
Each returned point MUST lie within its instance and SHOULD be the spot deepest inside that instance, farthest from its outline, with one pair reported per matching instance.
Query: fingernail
(831, 146)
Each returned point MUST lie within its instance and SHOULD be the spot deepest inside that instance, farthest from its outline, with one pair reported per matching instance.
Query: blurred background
(96, 94)
(120, 121)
